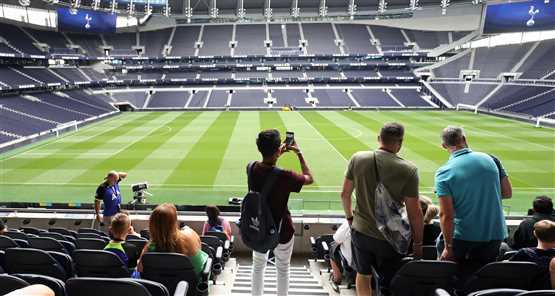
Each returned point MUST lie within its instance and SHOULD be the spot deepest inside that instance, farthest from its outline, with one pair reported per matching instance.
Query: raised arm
(308, 178)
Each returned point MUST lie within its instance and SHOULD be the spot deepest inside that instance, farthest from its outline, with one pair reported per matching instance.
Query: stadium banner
(85, 21)
(525, 16)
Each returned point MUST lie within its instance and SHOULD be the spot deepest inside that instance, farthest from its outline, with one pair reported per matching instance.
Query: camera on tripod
(139, 193)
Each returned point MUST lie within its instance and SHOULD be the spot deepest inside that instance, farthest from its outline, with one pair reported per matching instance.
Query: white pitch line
(326, 140)
(67, 135)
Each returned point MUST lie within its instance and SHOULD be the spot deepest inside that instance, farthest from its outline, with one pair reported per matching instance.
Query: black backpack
(258, 229)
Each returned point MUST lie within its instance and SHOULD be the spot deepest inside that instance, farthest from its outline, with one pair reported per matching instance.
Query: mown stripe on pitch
(131, 156)
(412, 139)
(88, 130)
(476, 123)
(479, 142)
(346, 144)
(240, 151)
(20, 162)
(482, 143)
(202, 163)
(37, 166)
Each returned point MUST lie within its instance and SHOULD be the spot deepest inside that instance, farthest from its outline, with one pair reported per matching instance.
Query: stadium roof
(248, 7)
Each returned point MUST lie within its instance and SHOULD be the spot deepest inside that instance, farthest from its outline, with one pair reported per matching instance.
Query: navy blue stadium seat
(139, 243)
(508, 255)
(104, 286)
(92, 235)
(92, 230)
(63, 231)
(171, 268)
(145, 233)
(47, 244)
(32, 230)
(98, 263)
(514, 275)
(216, 243)
(10, 283)
(22, 243)
(17, 235)
(69, 246)
(538, 293)
(7, 242)
(223, 237)
(2, 261)
(497, 292)
(423, 277)
(34, 261)
(319, 250)
(217, 265)
(135, 237)
(90, 244)
(58, 286)
(429, 253)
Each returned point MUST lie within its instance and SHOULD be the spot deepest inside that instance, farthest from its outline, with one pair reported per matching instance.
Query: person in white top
(341, 252)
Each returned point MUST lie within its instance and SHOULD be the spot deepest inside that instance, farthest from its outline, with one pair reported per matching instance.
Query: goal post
(544, 119)
(67, 126)
(467, 107)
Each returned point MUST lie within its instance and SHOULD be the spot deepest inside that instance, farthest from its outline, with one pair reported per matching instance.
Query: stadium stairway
(301, 282)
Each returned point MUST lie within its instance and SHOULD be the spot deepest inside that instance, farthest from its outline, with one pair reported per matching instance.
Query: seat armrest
(219, 253)
(181, 289)
(207, 269)
(325, 247)
(312, 241)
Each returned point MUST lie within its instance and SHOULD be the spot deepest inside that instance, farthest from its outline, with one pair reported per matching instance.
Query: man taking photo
(271, 149)
(109, 194)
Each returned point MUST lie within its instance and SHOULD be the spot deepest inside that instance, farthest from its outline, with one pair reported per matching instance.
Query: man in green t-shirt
(400, 177)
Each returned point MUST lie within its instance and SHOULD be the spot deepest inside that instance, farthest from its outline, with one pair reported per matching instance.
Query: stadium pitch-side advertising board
(523, 16)
(86, 21)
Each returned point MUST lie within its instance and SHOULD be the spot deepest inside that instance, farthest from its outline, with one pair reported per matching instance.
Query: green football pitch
(199, 158)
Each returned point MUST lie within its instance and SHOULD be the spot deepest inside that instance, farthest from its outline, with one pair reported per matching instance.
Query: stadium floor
(200, 157)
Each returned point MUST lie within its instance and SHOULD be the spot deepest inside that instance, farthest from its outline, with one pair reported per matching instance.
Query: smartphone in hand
(289, 138)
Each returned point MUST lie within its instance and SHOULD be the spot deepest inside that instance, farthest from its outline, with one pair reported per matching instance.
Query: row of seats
(38, 251)
(166, 268)
(89, 286)
(422, 277)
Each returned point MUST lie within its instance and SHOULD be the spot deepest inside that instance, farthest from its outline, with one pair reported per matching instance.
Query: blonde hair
(429, 210)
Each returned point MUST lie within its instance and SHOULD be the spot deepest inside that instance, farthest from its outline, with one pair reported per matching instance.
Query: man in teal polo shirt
(470, 187)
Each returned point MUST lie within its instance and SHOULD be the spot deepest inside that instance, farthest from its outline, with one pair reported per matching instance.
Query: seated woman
(430, 211)
(165, 236)
(215, 222)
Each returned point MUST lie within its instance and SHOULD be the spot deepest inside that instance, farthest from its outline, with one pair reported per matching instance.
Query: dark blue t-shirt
(541, 258)
(110, 196)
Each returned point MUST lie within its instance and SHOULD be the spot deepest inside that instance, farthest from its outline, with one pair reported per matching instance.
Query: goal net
(66, 127)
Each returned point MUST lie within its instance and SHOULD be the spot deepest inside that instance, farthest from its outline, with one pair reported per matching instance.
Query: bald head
(112, 177)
